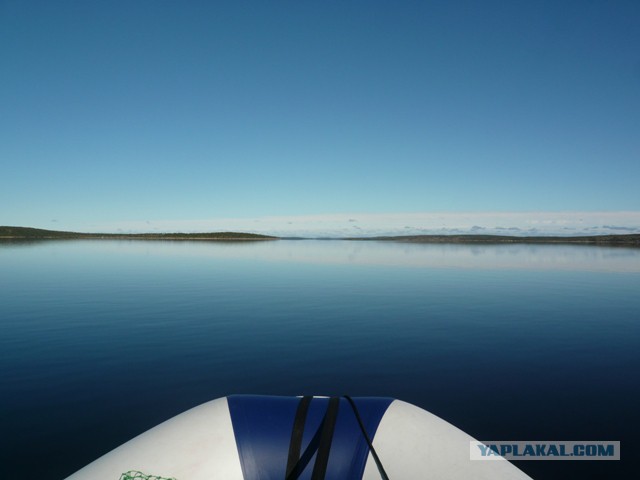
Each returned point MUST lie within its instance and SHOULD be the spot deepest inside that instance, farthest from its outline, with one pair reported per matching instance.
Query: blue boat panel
(263, 424)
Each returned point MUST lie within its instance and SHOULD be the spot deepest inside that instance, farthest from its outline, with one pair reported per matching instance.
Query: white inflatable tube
(204, 444)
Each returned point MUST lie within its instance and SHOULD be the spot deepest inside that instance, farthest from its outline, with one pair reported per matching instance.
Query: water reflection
(374, 253)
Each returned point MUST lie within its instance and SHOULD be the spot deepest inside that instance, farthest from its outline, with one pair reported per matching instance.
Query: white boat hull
(201, 444)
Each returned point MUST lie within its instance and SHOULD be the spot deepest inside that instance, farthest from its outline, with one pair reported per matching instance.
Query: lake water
(101, 340)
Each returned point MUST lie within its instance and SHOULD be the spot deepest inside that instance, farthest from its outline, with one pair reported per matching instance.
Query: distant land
(25, 233)
(628, 240)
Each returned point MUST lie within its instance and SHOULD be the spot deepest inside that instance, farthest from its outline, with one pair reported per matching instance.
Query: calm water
(101, 340)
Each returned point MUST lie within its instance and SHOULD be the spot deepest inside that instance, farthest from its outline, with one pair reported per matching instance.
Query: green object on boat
(136, 475)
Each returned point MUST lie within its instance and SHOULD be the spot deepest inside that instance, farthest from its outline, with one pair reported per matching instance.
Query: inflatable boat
(253, 437)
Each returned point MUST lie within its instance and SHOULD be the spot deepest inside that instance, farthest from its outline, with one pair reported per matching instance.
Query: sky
(321, 117)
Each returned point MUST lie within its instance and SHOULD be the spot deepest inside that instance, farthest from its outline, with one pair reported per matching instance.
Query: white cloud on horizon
(373, 224)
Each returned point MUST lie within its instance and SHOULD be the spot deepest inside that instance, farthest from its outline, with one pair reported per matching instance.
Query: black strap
(307, 455)
(295, 445)
(326, 437)
(383, 474)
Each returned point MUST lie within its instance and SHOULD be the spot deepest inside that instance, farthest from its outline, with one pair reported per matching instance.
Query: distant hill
(25, 233)
(39, 234)
(610, 240)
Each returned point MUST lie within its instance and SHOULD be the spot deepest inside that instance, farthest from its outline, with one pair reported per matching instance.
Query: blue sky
(167, 115)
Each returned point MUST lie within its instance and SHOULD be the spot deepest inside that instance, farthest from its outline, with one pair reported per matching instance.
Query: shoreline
(25, 233)
(627, 240)
(135, 237)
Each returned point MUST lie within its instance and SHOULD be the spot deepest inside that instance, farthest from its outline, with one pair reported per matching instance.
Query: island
(26, 233)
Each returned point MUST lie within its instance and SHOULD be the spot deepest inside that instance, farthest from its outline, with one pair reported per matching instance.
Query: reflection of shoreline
(320, 253)
(23, 241)
(630, 240)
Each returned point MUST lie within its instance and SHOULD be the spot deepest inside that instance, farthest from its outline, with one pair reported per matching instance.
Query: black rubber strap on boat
(307, 455)
(383, 474)
(295, 445)
(326, 437)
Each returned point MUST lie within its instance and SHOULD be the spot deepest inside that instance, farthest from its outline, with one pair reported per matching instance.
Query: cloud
(624, 229)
